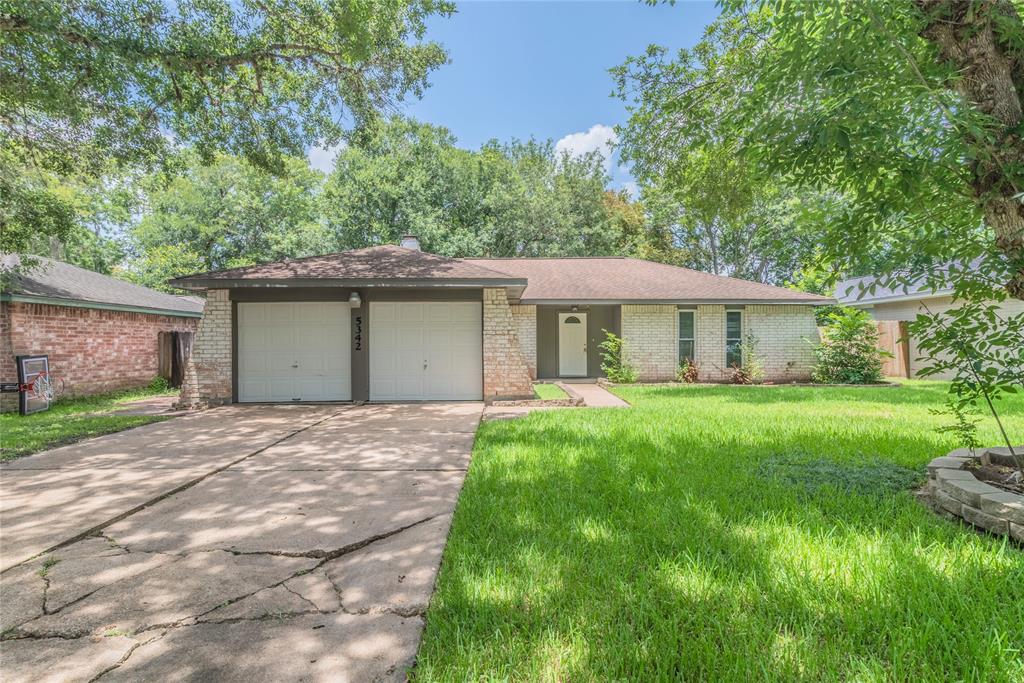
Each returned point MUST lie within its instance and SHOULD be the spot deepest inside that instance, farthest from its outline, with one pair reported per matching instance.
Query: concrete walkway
(241, 544)
(596, 396)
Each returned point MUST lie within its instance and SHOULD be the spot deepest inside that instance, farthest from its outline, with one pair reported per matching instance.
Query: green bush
(687, 372)
(614, 367)
(160, 384)
(848, 352)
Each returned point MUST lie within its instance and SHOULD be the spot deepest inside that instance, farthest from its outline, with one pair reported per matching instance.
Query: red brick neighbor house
(392, 323)
(100, 333)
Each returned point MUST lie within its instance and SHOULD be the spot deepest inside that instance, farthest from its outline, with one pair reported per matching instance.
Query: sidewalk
(596, 396)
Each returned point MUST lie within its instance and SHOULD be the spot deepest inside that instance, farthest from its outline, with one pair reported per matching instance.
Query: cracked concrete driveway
(257, 543)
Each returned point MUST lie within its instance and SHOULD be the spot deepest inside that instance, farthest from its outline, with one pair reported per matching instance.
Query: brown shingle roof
(629, 279)
(545, 279)
(387, 262)
(58, 281)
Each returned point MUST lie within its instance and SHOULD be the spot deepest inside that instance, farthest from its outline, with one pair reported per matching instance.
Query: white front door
(294, 351)
(431, 350)
(572, 344)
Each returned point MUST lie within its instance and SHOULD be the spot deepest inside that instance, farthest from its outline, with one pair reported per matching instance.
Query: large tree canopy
(84, 83)
(908, 112)
(506, 199)
(397, 177)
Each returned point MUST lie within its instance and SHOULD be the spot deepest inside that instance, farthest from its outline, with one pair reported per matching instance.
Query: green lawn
(549, 392)
(68, 421)
(722, 533)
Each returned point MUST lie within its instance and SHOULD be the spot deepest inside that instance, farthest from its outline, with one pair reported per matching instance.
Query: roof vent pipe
(410, 242)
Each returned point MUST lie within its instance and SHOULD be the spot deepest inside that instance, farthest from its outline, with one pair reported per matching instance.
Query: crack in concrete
(328, 555)
(112, 543)
(125, 656)
(302, 597)
(359, 469)
(95, 530)
(324, 557)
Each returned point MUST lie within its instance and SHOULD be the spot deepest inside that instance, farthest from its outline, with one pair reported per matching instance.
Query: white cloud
(632, 189)
(322, 158)
(599, 138)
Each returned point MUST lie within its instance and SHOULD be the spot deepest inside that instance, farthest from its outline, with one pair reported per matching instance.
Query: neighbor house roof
(869, 290)
(384, 265)
(58, 283)
(620, 279)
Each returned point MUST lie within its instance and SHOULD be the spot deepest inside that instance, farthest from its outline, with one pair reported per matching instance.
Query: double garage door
(302, 351)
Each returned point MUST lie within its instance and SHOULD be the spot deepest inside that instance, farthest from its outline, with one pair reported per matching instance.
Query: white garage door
(426, 351)
(291, 351)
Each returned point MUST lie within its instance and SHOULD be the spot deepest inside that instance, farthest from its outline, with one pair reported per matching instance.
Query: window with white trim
(687, 336)
(733, 339)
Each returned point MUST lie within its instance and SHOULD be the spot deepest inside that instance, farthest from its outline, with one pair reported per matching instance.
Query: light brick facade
(710, 343)
(525, 316)
(651, 340)
(506, 374)
(208, 372)
(92, 350)
(909, 310)
(785, 337)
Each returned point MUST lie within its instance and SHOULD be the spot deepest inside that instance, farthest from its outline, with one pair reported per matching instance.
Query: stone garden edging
(574, 400)
(954, 492)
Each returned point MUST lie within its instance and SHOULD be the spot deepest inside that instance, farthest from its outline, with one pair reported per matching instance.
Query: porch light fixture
(575, 309)
(354, 300)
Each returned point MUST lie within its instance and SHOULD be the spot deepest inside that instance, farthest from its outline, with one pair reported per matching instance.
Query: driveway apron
(243, 543)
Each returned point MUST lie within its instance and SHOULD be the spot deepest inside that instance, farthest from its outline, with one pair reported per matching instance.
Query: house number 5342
(359, 333)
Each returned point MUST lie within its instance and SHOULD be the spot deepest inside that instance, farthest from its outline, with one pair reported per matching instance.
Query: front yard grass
(722, 533)
(549, 392)
(68, 421)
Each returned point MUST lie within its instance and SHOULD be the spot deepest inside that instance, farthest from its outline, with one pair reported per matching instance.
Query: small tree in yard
(980, 345)
(751, 369)
(848, 352)
(965, 425)
(613, 365)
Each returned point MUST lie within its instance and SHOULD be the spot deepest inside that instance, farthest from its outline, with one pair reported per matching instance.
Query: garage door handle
(295, 365)
(424, 365)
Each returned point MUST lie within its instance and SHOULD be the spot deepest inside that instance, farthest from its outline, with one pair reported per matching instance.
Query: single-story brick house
(895, 307)
(100, 333)
(392, 323)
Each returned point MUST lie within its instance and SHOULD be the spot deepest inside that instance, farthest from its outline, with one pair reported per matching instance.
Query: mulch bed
(995, 475)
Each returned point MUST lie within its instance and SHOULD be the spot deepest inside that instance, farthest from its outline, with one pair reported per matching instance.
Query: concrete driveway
(257, 543)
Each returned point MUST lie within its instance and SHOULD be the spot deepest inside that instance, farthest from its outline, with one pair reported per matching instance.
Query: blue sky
(522, 69)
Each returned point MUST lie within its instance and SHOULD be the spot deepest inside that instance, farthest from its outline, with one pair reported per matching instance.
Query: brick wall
(505, 372)
(208, 373)
(93, 350)
(785, 340)
(710, 337)
(782, 332)
(650, 335)
(525, 316)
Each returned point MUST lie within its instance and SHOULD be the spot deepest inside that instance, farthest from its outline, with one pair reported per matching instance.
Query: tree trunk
(991, 78)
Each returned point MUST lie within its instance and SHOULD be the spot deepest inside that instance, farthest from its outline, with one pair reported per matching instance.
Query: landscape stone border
(954, 492)
(574, 400)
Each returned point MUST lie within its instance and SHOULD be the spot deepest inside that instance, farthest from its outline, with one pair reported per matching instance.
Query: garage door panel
(425, 351)
(291, 351)
(409, 313)
(466, 313)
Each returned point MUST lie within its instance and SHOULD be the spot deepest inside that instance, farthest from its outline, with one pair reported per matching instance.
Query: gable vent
(410, 242)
